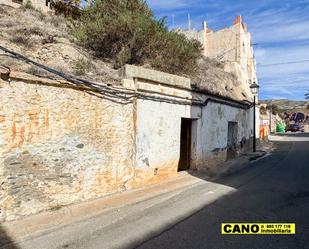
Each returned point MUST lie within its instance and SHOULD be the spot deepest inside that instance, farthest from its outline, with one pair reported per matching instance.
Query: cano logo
(242, 228)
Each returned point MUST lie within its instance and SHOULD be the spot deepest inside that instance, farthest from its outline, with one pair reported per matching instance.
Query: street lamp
(254, 90)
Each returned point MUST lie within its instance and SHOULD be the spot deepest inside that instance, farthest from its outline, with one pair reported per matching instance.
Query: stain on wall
(59, 146)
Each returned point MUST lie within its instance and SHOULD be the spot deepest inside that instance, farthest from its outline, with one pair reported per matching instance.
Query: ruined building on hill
(232, 46)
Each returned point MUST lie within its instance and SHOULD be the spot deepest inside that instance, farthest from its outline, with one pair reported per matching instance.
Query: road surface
(274, 189)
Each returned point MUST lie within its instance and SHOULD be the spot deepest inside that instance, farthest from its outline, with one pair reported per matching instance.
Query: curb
(48, 221)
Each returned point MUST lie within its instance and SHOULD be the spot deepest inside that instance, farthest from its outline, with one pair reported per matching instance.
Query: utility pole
(189, 21)
(254, 89)
(270, 117)
(254, 124)
(173, 21)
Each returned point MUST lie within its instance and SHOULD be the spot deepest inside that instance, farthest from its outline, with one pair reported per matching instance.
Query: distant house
(45, 6)
(42, 5)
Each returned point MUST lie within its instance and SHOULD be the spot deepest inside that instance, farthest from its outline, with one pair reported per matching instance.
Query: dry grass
(47, 39)
(211, 77)
(30, 28)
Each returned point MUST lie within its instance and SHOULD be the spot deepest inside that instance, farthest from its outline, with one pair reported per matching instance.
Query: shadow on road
(5, 241)
(274, 190)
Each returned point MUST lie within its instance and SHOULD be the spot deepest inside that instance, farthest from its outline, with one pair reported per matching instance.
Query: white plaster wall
(213, 133)
(257, 121)
(215, 125)
(158, 132)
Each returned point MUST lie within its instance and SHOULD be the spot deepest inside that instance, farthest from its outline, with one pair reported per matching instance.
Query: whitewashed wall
(158, 127)
(158, 135)
(212, 149)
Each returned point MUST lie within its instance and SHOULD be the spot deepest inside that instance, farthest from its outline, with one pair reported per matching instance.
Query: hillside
(49, 40)
(286, 105)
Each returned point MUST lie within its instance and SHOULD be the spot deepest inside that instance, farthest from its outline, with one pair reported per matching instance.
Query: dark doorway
(185, 144)
(232, 140)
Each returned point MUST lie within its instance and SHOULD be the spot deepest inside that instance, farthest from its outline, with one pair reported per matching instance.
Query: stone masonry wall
(62, 144)
(59, 146)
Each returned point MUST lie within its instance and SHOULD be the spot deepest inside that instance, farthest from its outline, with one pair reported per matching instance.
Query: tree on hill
(307, 96)
(70, 8)
(274, 108)
(126, 32)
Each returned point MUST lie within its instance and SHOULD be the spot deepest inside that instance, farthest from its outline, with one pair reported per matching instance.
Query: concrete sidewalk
(130, 225)
(290, 137)
(51, 221)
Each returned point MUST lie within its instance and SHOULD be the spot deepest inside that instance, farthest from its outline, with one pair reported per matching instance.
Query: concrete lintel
(135, 72)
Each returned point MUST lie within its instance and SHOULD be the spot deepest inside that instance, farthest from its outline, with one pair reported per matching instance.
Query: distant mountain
(286, 104)
(292, 111)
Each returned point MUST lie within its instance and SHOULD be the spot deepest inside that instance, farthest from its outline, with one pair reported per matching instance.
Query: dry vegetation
(210, 76)
(49, 40)
(126, 32)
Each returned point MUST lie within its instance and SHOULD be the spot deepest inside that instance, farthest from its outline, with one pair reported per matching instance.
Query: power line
(283, 63)
(124, 96)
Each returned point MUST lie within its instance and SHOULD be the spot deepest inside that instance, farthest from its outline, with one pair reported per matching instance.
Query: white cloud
(280, 27)
(168, 4)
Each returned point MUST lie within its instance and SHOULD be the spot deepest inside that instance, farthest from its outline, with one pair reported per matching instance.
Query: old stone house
(232, 46)
(63, 142)
(72, 140)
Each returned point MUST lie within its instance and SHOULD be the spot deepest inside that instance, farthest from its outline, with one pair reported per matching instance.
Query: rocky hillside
(285, 104)
(292, 111)
(49, 40)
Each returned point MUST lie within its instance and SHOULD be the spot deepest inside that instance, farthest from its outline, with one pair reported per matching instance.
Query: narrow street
(273, 189)
(152, 124)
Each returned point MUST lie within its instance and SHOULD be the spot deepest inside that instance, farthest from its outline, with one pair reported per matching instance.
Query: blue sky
(280, 30)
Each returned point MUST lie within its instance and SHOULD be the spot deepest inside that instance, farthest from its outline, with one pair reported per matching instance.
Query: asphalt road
(275, 190)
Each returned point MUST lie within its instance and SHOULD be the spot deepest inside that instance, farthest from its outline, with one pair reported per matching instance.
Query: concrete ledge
(135, 72)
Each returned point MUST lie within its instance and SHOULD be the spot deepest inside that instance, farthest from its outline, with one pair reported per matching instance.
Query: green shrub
(82, 66)
(28, 6)
(275, 109)
(68, 8)
(125, 31)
